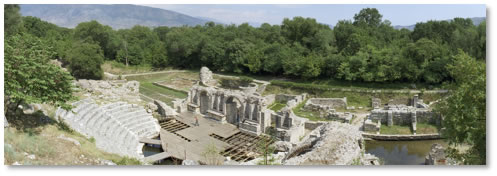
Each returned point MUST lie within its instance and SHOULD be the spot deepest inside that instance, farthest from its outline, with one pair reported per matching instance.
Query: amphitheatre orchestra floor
(180, 138)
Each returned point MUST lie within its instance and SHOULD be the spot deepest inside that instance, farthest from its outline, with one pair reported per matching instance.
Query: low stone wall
(325, 103)
(370, 126)
(313, 125)
(385, 137)
(405, 117)
(165, 110)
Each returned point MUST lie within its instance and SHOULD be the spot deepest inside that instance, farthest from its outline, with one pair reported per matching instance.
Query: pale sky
(398, 14)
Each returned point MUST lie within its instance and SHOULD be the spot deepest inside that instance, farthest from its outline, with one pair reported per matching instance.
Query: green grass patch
(120, 68)
(424, 128)
(311, 115)
(164, 90)
(157, 77)
(277, 106)
(395, 129)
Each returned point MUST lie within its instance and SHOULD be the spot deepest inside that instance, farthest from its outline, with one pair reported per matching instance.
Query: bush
(127, 161)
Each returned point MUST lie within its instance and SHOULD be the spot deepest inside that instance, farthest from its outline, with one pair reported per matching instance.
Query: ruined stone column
(413, 121)
(415, 101)
(390, 118)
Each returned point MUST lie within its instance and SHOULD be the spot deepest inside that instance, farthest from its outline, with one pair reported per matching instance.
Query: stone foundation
(325, 104)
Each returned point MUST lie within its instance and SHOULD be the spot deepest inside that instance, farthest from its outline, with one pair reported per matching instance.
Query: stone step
(124, 117)
(98, 123)
(91, 123)
(136, 116)
(118, 132)
(130, 124)
(116, 127)
(90, 116)
(119, 108)
(111, 128)
(139, 128)
(101, 124)
(88, 108)
(110, 105)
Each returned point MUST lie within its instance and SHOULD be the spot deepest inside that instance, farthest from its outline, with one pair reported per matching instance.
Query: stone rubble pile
(336, 144)
(111, 90)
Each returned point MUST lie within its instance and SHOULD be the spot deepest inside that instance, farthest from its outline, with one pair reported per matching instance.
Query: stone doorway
(233, 109)
(204, 102)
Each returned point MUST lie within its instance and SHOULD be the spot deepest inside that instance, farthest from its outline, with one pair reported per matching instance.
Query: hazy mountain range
(476, 22)
(121, 16)
(117, 16)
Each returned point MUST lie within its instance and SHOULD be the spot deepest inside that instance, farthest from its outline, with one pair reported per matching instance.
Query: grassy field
(164, 94)
(424, 128)
(29, 135)
(276, 106)
(421, 128)
(395, 129)
(118, 68)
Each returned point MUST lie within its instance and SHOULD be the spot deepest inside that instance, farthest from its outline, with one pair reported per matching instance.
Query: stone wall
(403, 115)
(231, 106)
(370, 126)
(270, 99)
(313, 125)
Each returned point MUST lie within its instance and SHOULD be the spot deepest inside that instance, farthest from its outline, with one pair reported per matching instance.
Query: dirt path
(359, 120)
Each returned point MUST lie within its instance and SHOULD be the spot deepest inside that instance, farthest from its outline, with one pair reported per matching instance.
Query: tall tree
(30, 76)
(368, 16)
(464, 111)
(12, 19)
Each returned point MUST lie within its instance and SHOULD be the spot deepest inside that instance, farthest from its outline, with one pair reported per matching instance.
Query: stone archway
(233, 110)
(204, 102)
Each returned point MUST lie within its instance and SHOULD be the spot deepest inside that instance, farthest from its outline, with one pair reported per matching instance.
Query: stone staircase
(116, 127)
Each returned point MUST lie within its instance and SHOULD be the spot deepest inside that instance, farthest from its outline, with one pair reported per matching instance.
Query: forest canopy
(365, 49)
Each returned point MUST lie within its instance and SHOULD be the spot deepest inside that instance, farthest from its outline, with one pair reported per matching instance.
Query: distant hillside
(117, 16)
(476, 22)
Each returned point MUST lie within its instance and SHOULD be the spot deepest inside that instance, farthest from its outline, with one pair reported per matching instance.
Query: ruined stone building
(401, 114)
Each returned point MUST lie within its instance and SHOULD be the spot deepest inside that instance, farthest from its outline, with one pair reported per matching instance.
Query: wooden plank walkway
(156, 157)
(150, 141)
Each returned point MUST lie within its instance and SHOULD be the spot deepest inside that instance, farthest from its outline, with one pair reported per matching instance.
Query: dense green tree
(12, 19)
(368, 16)
(140, 45)
(301, 30)
(102, 35)
(464, 111)
(85, 60)
(30, 78)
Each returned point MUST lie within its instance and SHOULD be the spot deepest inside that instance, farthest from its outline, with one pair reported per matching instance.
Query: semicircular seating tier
(116, 127)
